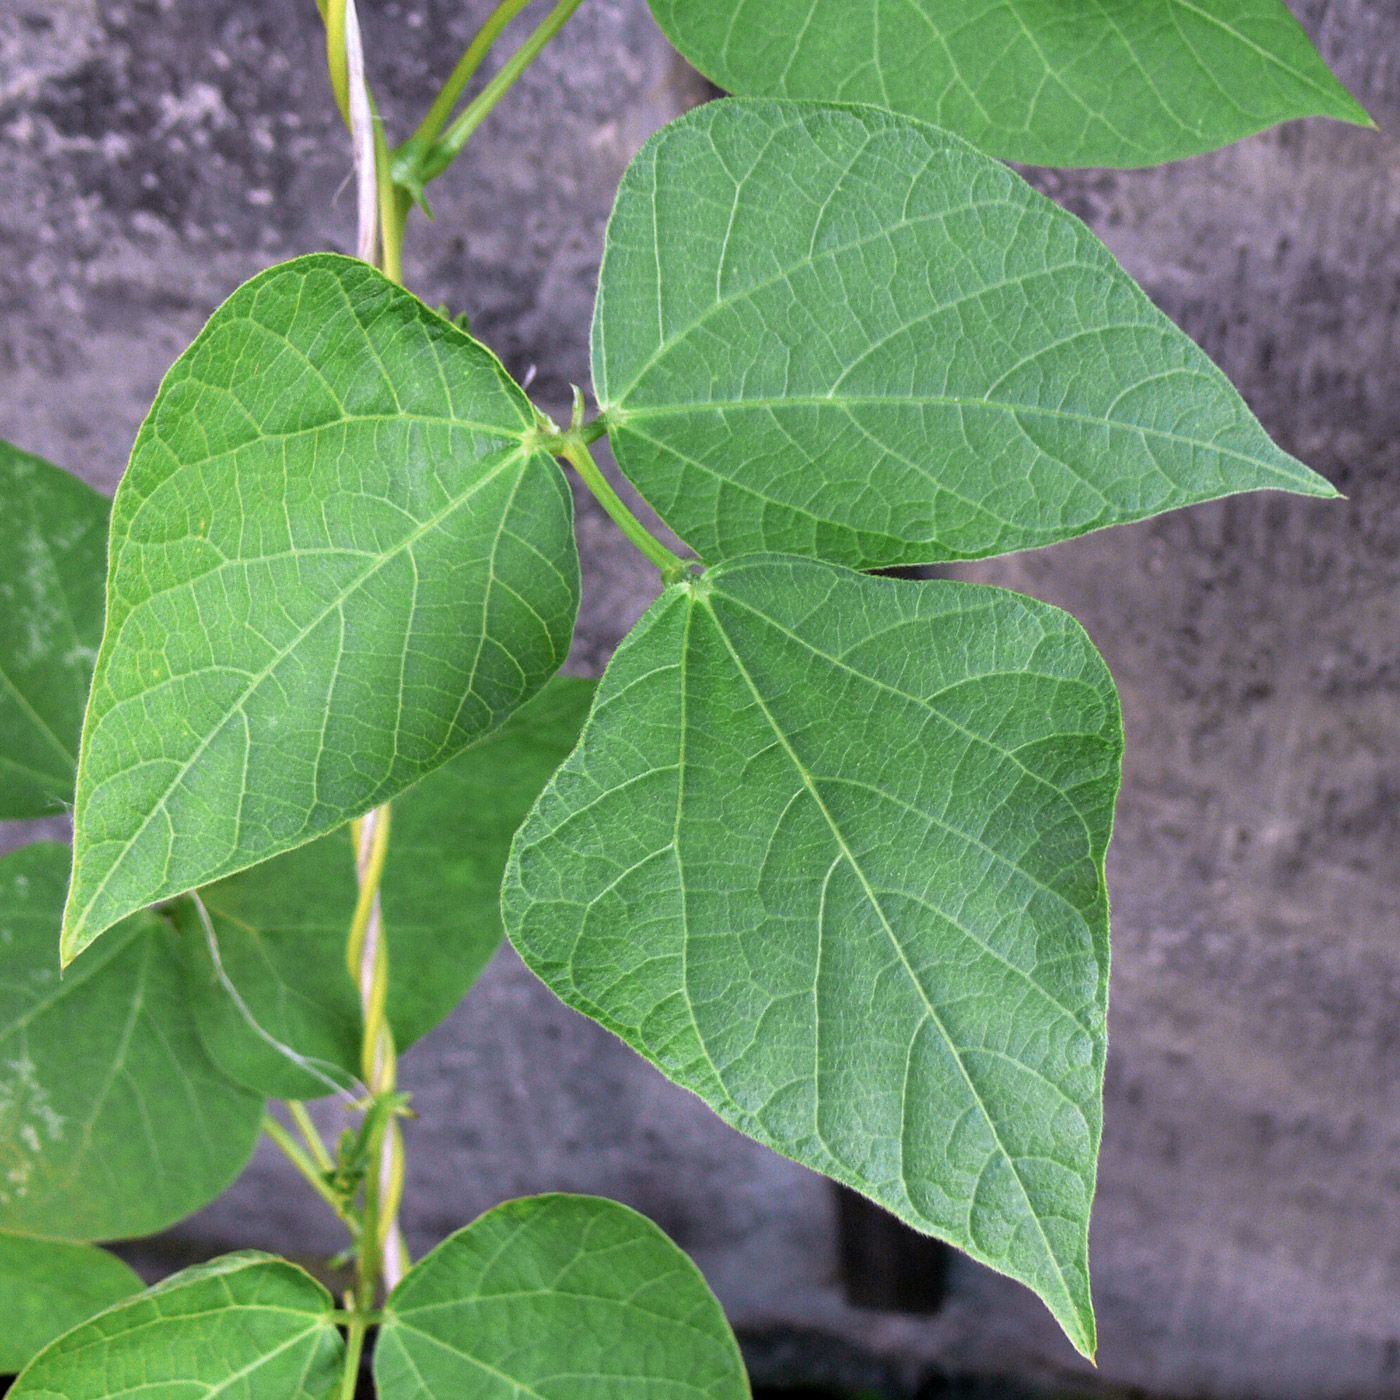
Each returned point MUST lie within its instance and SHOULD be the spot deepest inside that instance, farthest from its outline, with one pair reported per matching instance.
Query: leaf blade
(335, 563)
(830, 854)
(113, 1120)
(568, 1296)
(48, 1287)
(1129, 83)
(53, 544)
(245, 1318)
(836, 332)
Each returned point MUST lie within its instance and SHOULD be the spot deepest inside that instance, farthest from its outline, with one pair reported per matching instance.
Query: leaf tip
(1352, 112)
(1081, 1328)
(1317, 485)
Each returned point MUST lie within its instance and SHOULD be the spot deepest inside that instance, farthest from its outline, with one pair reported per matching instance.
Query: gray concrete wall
(153, 153)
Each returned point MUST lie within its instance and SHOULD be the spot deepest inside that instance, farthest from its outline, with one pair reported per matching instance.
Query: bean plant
(825, 844)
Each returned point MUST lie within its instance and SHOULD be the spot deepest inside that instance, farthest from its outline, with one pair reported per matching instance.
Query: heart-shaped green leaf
(247, 1325)
(53, 550)
(841, 333)
(47, 1287)
(274, 1002)
(1052, 82)
(113, 1119)
(830, 854)
(335, 563)
(564, 1297)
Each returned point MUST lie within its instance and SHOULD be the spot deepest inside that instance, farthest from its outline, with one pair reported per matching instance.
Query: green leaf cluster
(566, 1296)
(824, 846)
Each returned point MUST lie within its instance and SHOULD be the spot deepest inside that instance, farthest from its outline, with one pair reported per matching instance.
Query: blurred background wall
(154, 153)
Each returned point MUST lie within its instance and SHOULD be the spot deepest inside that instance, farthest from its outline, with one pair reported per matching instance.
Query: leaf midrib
(1263, 53)
(627, 417)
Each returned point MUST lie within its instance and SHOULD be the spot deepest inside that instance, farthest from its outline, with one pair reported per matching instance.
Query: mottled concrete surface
(1247, 1237)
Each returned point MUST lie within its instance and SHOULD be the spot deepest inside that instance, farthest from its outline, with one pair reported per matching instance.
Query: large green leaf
(838, 332)
(275, 1004)
(113, 1119)
(53, 549)
(830, 853)
(557, 1298)
(47, 1286)
(335, 563)
(248, 1326)
(1053, 82)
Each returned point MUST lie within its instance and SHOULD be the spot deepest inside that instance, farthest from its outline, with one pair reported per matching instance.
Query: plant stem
(382, 1251)
(310, 1171)
(371, 837)
(382, 210)
(445, 151)
(393, 204)
(337, 61)
(437, 115)
(354, 1349)
(573, 447)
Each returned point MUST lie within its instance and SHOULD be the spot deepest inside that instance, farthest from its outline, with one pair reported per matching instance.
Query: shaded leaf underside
(48, 1287)
(113, 1120)
(53, 546)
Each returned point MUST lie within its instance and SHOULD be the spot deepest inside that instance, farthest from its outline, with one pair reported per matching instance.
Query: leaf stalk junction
(574, 446)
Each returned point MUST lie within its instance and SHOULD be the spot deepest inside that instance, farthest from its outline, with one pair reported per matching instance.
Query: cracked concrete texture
(1247, 1235)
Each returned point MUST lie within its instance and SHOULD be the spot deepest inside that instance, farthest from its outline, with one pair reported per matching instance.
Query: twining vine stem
(387, 184)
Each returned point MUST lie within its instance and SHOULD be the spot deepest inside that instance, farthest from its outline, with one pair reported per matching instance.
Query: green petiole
(573, 447)
(418, 161)
(437, 116)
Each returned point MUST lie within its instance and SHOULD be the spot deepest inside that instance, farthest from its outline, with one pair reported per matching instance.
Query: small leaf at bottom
(565, 1297)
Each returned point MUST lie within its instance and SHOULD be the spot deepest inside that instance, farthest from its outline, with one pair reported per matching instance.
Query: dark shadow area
(885, 1265)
